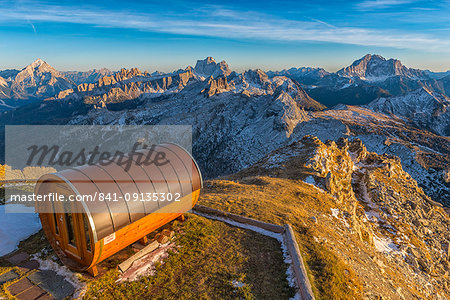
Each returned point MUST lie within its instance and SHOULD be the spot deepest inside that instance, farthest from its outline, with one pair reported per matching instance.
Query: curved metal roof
(179, 175)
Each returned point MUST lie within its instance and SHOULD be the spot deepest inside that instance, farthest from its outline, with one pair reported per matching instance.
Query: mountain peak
(38, 62)
(372, 56)
(374, 67)
(209, 67)
(40, 66)
(40, 79)
(257, 76)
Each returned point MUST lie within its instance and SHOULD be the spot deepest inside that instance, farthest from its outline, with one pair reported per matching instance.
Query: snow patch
(383, 244)
(310, 180)
(346, 86)
(17, 223)
(373, 216)
(237, 284)
(335, 212)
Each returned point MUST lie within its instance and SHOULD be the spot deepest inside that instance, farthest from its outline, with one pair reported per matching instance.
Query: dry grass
(211, 255)
(280, 201)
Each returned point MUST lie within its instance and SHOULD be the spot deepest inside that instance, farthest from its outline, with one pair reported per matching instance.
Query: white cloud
(230, 24)
(380, 4)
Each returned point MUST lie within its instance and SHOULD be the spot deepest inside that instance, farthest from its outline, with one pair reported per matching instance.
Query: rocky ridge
(212, 78)
(380, 204)
(90, 76)
(366, 79)
(422, 108)
(305, 75)
(232, 130)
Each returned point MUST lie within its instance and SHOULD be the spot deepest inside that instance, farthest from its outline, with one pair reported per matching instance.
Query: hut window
(55, 219)
(86, 233)
(69, 224)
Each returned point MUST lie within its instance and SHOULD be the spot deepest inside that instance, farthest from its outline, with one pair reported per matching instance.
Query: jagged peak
(366, 59)
(209, 67)
(372, 56)
(41, 65)
(374, 67)
(37, 68)
(38, 62)
(257, 74)
(210, 59)
(127, 73)
(101, 71)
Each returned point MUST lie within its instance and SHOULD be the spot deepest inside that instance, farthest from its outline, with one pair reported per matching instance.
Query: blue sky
(167, 35)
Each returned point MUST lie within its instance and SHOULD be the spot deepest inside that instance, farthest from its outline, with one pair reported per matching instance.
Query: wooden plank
(297, 264)
(149, 248)
(240, 219)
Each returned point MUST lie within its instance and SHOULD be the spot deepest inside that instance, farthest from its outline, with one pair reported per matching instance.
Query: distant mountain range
(39, 81)
(364, 80)
(87, 76)
(238, 118)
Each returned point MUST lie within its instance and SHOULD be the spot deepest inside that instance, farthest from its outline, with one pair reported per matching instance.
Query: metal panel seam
(110, 213)
(195, 162)
(126, 203)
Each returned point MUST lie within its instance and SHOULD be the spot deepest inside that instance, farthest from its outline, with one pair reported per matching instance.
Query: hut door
(68, 227)
(75, 237)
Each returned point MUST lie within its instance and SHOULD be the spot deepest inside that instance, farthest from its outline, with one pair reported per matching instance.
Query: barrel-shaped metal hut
(106, 207)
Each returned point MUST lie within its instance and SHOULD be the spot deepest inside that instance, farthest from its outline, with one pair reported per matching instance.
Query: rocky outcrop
(395, 199)
(216, 86)
(64, 94)
(127, 85)
(257, 76)
(356, 204)
(333, 166)
(380, 202)
(124, 74)
(87, 87)
(305, 75)
(422, 108)
(209, 67)
(287, 113)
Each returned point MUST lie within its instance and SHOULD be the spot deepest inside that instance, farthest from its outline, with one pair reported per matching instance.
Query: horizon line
(217, 61)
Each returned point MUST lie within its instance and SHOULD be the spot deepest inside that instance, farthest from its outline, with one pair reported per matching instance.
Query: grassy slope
(282, 200)
(210, 256)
